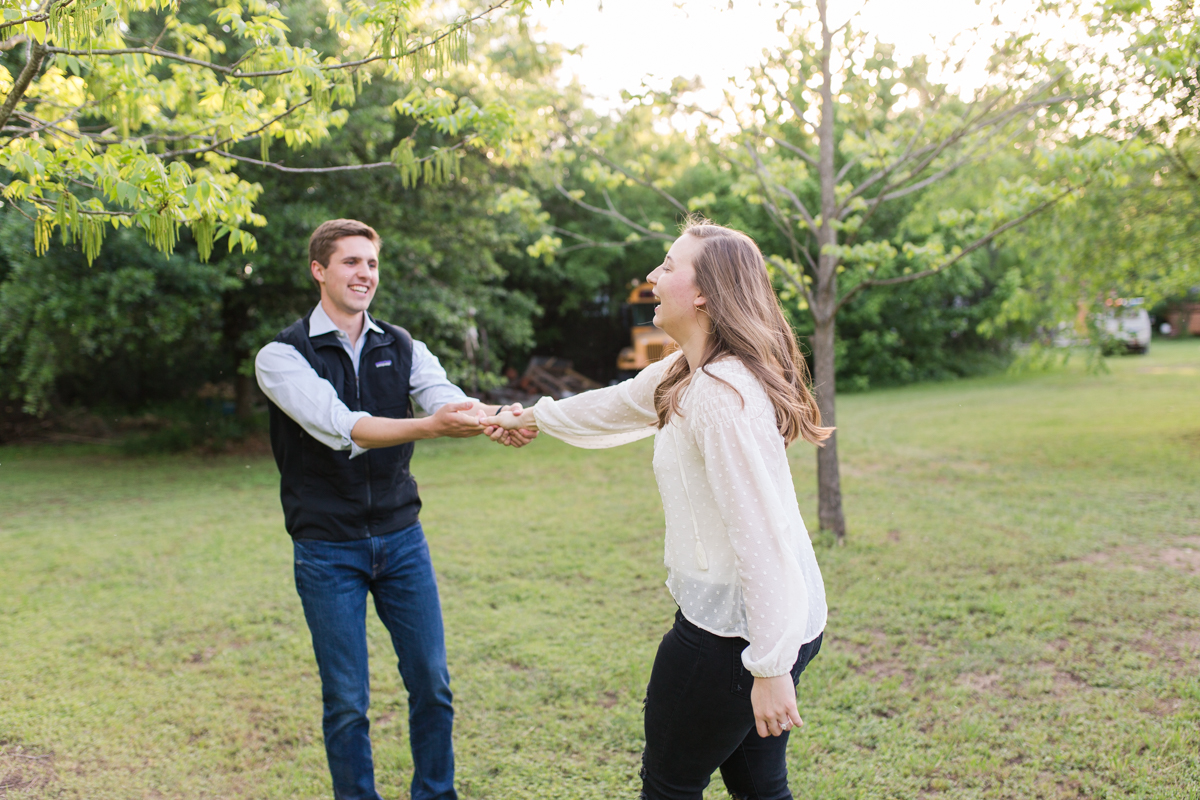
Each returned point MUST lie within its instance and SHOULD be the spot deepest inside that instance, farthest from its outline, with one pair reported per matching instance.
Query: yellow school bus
(648, 343)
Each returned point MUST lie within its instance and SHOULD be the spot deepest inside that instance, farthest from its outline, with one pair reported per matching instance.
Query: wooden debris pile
(545, 376)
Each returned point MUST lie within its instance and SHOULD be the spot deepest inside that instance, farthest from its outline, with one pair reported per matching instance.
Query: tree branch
(970, 125)
(930, 153)
(41, 126)
(812, 162)
(37, 53)
(54, 204)
(40, 16)
(233, 72)
(612, 213)
(665, 195)
(761, 169)
(248, 135)
(937, 176)
(798, 283)
(978, 243)
(784, 224)
(343, 168)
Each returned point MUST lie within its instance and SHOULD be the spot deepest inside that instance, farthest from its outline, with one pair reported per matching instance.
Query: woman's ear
(700, 302)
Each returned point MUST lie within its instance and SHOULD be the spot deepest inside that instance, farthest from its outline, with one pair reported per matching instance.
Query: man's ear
(318, 272)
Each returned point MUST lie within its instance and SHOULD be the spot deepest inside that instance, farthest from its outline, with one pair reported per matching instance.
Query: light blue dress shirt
(290, 382)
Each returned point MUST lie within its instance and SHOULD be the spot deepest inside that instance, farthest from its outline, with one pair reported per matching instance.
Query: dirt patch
(1188, 643)
(1112, 559)
(25, 773)
(1066, 682)
(1183, 556)
(862, 469)
(978, 683)
(875, 657)
(1166, 707)
(1173, 645)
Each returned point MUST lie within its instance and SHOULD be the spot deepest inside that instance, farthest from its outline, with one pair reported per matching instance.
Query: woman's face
(674, 283)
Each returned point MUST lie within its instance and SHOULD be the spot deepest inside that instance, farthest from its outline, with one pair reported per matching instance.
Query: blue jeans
(333, 579)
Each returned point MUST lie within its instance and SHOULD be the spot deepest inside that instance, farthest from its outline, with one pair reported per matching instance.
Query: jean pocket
(743, 681)
(807, 653)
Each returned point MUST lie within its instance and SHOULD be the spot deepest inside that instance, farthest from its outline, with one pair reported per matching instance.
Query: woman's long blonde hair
(747, 323)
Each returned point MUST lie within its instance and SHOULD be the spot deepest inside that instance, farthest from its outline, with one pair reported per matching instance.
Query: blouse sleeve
(746, 467)
(607, 417)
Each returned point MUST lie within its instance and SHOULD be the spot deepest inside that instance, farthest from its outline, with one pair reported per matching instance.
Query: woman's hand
(774, 702)
(513, 418)
(513, 438)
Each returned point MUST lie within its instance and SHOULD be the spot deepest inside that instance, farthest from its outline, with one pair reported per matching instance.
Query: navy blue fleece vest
(326, 494)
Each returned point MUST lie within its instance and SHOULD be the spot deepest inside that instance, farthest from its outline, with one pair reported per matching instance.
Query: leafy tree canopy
(129, 112)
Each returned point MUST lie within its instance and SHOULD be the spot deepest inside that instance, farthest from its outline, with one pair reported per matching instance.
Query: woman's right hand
(512, 419)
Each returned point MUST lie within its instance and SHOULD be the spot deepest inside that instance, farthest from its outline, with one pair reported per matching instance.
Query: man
(342, 428)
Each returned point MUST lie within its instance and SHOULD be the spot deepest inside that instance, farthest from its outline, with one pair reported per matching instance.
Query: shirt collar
(320, 323)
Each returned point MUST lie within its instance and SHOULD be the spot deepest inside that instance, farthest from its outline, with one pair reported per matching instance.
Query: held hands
(774, 702)
(456, 420)
(466, 419)
(514, 418)
(518, 436)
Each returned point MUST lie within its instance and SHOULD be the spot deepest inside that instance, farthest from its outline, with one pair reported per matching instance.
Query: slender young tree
(837, 131)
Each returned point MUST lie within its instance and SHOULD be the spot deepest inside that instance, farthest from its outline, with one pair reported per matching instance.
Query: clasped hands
(463, 420)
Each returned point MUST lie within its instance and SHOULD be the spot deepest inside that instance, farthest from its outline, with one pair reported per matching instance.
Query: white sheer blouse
(739, 560)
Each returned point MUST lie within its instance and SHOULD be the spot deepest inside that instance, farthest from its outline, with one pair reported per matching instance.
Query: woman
(740, 565)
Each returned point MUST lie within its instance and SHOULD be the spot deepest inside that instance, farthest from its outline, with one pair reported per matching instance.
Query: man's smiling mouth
(359, 289)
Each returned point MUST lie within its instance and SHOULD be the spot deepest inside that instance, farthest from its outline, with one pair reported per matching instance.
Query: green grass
(1016, 615)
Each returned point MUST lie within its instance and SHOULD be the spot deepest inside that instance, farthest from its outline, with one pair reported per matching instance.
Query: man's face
(350, 280)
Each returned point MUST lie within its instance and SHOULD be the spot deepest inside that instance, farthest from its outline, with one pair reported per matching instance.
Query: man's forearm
(373, 432)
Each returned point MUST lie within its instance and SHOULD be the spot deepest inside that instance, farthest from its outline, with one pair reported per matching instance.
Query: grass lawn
(1016, 615)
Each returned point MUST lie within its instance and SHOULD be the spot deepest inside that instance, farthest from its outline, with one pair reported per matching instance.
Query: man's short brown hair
(324, 239)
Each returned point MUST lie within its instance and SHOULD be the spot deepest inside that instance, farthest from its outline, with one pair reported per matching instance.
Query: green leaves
(140, 114)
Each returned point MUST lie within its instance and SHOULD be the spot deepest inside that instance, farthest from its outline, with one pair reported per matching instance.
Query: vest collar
(319, 323)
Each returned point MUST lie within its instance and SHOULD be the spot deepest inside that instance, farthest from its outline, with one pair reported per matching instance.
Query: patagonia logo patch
(387, 363)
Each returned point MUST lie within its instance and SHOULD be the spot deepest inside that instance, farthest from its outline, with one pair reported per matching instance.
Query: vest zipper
(367, 455)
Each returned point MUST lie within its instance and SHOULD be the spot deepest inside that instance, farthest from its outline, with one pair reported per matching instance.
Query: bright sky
(627, 40)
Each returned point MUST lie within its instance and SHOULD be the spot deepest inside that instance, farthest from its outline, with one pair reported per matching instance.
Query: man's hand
(774, 703)
(454, 420)
(451, 419)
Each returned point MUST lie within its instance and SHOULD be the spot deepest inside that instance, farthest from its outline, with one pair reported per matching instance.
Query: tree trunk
(829, 484)
(829, 481)
(243, 393)
(37, 54)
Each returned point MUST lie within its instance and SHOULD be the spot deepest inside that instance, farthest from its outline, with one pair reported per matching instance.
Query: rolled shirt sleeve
(290, 382)
(428, 383)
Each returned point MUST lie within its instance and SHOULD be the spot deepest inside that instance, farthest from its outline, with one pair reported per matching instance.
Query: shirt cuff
(346, 425)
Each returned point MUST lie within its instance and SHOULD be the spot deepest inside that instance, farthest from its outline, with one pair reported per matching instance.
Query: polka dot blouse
(739, 560)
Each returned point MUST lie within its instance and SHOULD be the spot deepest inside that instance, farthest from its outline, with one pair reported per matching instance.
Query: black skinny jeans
(699, 718)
